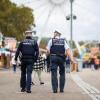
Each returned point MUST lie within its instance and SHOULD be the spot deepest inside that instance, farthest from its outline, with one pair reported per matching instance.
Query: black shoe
(41, 83)
(61, 91)
(23, 90)
(28, 91)
(55, 91)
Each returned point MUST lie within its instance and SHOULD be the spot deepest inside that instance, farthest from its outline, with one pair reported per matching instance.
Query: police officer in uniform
(58, 50)
(29, 51)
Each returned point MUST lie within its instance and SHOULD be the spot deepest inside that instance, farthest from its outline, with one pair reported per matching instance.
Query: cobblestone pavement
(10, 90)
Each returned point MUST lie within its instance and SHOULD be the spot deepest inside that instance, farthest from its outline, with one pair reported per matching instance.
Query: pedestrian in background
(96, 60)
(92, 62)
(38, 67)
(29, 51)
(58, 50)
(67, 65)
(13, 63)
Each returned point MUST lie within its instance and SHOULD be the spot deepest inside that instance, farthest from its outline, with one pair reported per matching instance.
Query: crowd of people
(93, 63)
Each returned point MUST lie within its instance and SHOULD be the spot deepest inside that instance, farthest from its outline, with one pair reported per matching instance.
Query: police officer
(58, 49)
(29, 51)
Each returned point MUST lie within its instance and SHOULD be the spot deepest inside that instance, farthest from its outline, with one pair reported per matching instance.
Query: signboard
(10, 43)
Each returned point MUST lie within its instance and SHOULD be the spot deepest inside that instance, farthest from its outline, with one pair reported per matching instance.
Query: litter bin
(80, 65)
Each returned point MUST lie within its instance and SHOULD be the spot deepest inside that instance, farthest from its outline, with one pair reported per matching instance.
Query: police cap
(57, 32)
(28, 32)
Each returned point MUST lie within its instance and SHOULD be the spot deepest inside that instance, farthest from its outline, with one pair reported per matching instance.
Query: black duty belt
(57, 54)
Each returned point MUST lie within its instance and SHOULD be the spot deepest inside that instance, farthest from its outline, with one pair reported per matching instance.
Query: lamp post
(71, 17)
(71, 22)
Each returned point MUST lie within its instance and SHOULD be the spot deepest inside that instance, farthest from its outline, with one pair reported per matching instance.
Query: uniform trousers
(26, 75)
(55, 62)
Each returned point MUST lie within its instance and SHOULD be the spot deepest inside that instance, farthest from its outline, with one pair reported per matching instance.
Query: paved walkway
(91, 76)
(10, 90)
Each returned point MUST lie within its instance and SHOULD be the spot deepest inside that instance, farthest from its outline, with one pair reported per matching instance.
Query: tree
(44, 42)
(14, 20)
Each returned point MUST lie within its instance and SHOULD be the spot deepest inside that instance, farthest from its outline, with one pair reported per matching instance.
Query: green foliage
(81, 43)
(14, 20)
(72, 44)
(44, 42)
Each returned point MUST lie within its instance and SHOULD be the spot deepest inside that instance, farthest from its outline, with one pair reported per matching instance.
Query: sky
(50, 15)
